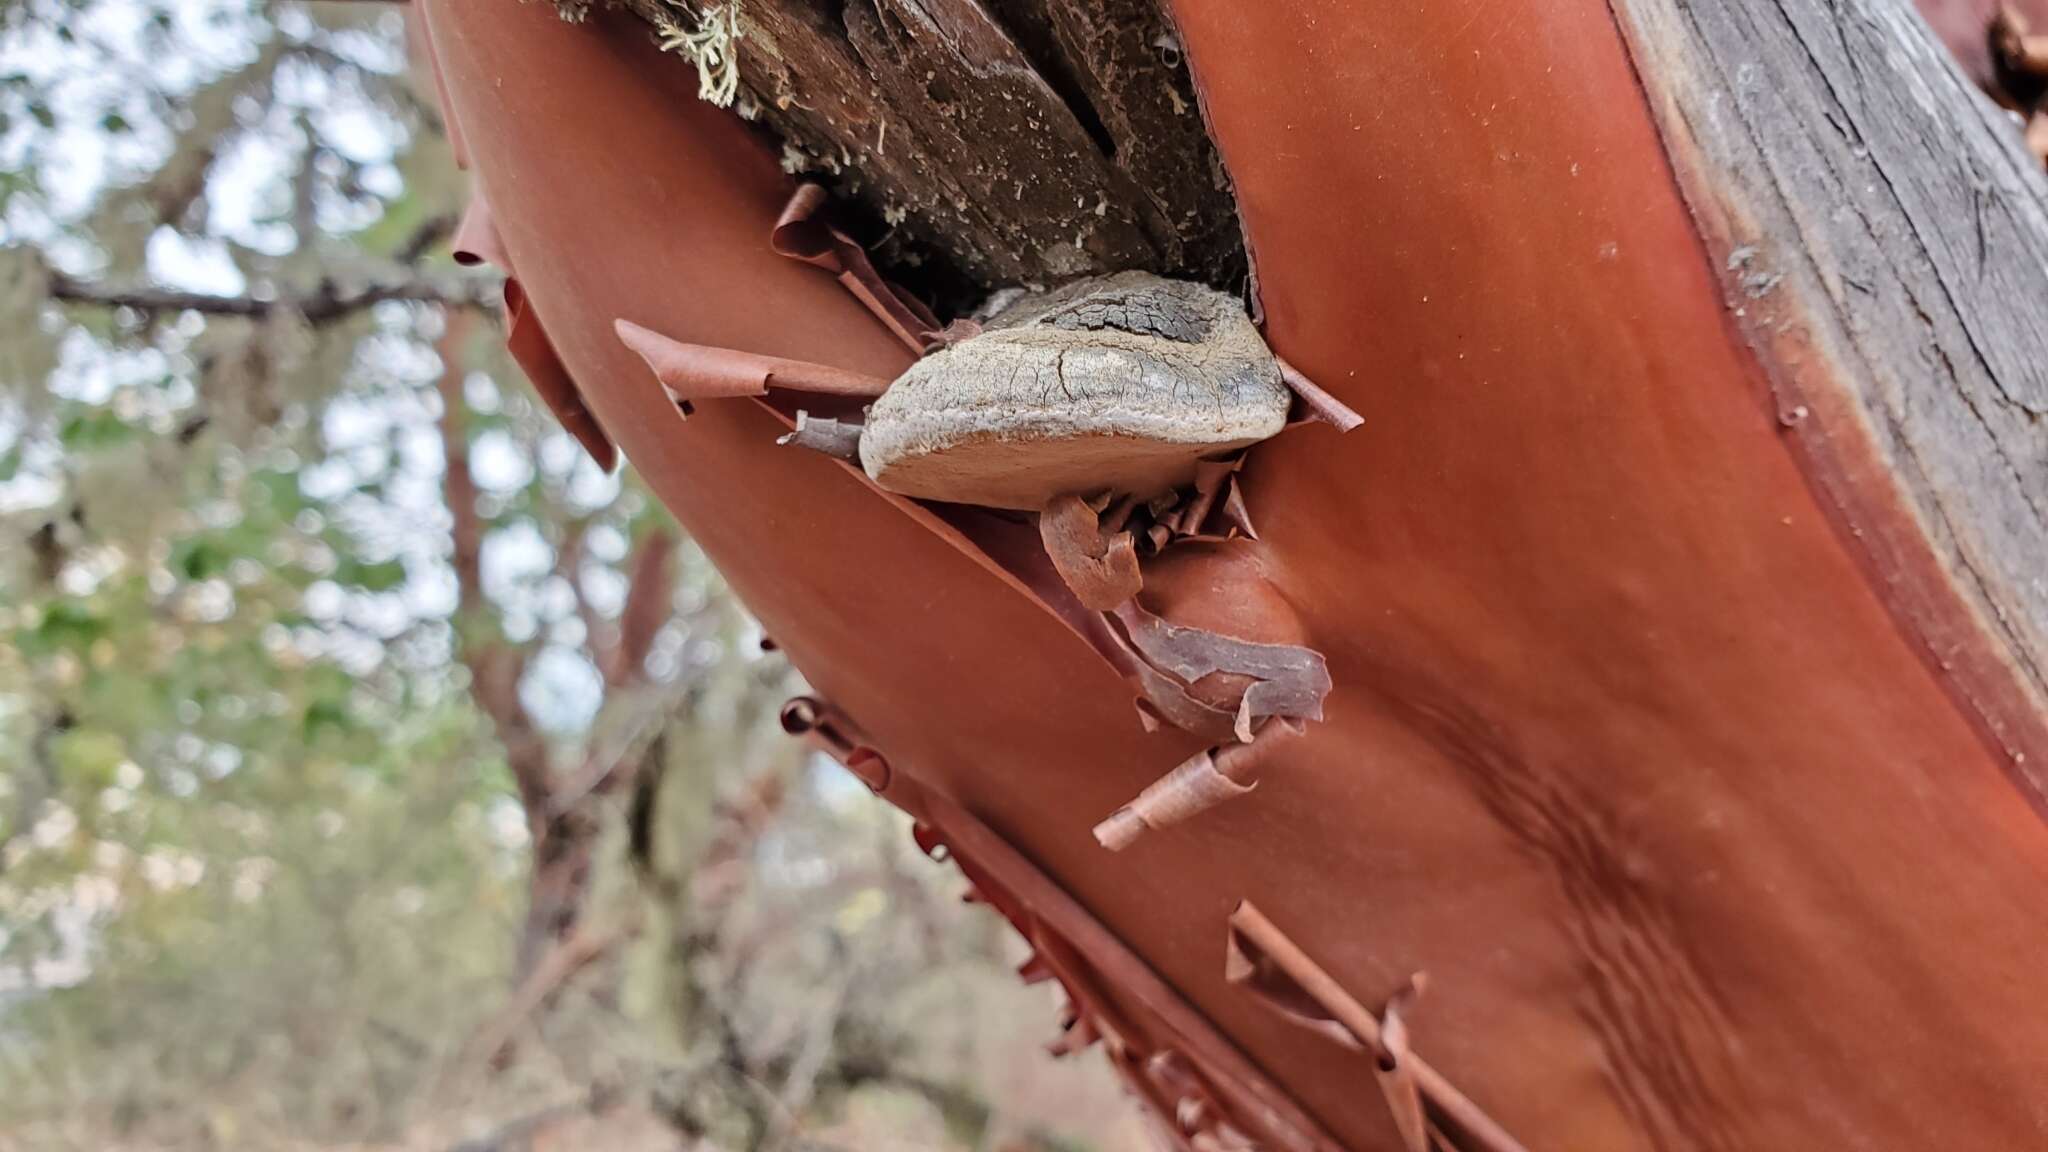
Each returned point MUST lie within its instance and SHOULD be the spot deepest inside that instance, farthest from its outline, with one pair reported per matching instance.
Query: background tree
(372, 766)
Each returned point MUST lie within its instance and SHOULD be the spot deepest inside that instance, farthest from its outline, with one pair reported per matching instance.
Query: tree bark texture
(1882, 240)
(1681, 588)
(1017, 141)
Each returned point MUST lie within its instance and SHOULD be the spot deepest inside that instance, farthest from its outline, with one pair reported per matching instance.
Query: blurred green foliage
(261, 867)
(264, 870)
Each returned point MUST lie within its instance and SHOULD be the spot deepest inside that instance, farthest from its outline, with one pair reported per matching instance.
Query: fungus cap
(1119, 383)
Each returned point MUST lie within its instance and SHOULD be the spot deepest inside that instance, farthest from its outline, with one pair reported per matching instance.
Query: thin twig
(325, 303)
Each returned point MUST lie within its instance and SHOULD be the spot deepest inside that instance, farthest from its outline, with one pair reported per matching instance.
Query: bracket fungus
(1122, 383)
(1117, 408)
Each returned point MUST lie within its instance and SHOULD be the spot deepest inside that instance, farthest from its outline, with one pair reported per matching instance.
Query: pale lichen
(713, 46)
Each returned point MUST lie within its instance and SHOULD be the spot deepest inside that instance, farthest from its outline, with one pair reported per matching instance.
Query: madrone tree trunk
(1682, 589)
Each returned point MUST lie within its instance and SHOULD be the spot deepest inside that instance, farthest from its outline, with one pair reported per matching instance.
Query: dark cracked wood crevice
(981, 143)
(1883, 238)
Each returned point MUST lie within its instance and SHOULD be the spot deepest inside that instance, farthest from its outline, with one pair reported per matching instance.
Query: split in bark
(985, 144)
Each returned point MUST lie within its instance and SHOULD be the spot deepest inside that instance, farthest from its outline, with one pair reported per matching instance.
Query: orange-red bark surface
(1625, 748)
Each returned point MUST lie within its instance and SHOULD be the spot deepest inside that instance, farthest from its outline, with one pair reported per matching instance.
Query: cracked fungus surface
(1134, 362)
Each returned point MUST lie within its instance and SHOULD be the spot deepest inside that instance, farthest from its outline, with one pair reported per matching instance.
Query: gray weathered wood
(1883, 234)
(1885, 240)
(999, 141)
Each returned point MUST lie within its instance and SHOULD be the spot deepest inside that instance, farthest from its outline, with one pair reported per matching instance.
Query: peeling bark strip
(1195, 786)
(802, 234)
(1192, 1077)
(1395, 1071)
(692, 372)
(1285, 679)
(1003, 141)
(1262, 959)
(1884, 243)
(1101, 568)
(839, 439)
(1312, 403)
(1199, 783)
(535, 354)
(1245, 699)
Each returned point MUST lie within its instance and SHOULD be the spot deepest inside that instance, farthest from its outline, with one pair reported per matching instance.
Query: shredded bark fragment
(954, 333)
(1194, 786)
(871, 769)
(1219, 512)
(802, 234)
(1236, 517)
(1396, 1070)
(1118, 514)
(1169, 1053)
(476, 240)
(1295, 697)
(820, 725)
(1211, 510)
(1079, 1033)
(1299, 677)
(1192, 653)
(1210, 478)
(1194, 1108)
(1197, 784)
(1102, 569)
(836, 438)
(1169, 701)
(1317, 404)
(692, 372)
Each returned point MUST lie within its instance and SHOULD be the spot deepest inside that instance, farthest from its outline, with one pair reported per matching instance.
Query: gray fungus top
(1118, 383)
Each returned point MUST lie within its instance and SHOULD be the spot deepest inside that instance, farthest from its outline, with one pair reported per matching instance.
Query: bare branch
(458, 483)
(562, 961)
(306, 186)
(323, 304)
(597, 632)
(650, 600)
(494, 667)
(428, 236)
